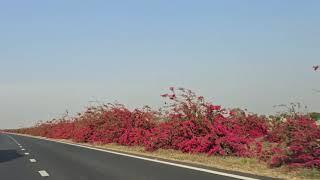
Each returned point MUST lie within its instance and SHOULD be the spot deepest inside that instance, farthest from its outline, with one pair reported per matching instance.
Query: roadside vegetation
(191, 125)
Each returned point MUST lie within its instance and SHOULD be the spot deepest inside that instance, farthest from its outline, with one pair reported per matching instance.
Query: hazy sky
(58, 55)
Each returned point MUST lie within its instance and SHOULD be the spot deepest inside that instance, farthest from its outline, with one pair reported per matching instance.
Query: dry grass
(245, 165)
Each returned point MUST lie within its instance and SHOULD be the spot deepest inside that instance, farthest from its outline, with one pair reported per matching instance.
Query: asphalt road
(57, 161)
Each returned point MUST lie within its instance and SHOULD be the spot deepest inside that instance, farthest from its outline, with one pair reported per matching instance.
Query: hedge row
(190, 124)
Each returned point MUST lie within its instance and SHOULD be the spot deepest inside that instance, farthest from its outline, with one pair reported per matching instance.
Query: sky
(61, 55)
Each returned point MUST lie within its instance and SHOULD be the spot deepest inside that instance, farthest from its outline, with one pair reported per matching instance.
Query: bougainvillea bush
(190, 124)
(296, 142)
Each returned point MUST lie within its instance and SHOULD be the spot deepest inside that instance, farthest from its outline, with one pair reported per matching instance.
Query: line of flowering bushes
(190, 124)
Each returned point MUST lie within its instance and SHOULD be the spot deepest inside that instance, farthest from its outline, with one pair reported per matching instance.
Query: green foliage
(315, 115)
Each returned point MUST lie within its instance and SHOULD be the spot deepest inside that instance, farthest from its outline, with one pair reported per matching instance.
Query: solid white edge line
(43, 173)
(152, 160)
(170, 163)
(32, 160)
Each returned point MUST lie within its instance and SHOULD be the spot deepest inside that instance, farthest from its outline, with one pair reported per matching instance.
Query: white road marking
(23, 149)
(32, 160)
(43, 173)
(26, 154)
(152, 160)
(14, 140)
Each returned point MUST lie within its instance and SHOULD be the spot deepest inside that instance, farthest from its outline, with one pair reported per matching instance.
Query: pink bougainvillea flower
(215, 108)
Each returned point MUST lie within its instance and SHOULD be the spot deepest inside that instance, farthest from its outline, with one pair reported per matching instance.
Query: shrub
(297, 143)
(190, 124)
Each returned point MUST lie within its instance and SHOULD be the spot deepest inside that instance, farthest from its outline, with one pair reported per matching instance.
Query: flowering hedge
(190, 124)
(297, 143)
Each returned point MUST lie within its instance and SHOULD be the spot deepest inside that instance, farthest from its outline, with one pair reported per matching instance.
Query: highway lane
(61, 161)
(13, 163)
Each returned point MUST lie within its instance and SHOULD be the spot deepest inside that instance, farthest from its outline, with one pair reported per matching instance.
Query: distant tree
(315, 115)
(292, 109)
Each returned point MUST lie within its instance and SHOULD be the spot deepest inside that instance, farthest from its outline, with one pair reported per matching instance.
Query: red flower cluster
(297, 143)
(189, 124)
